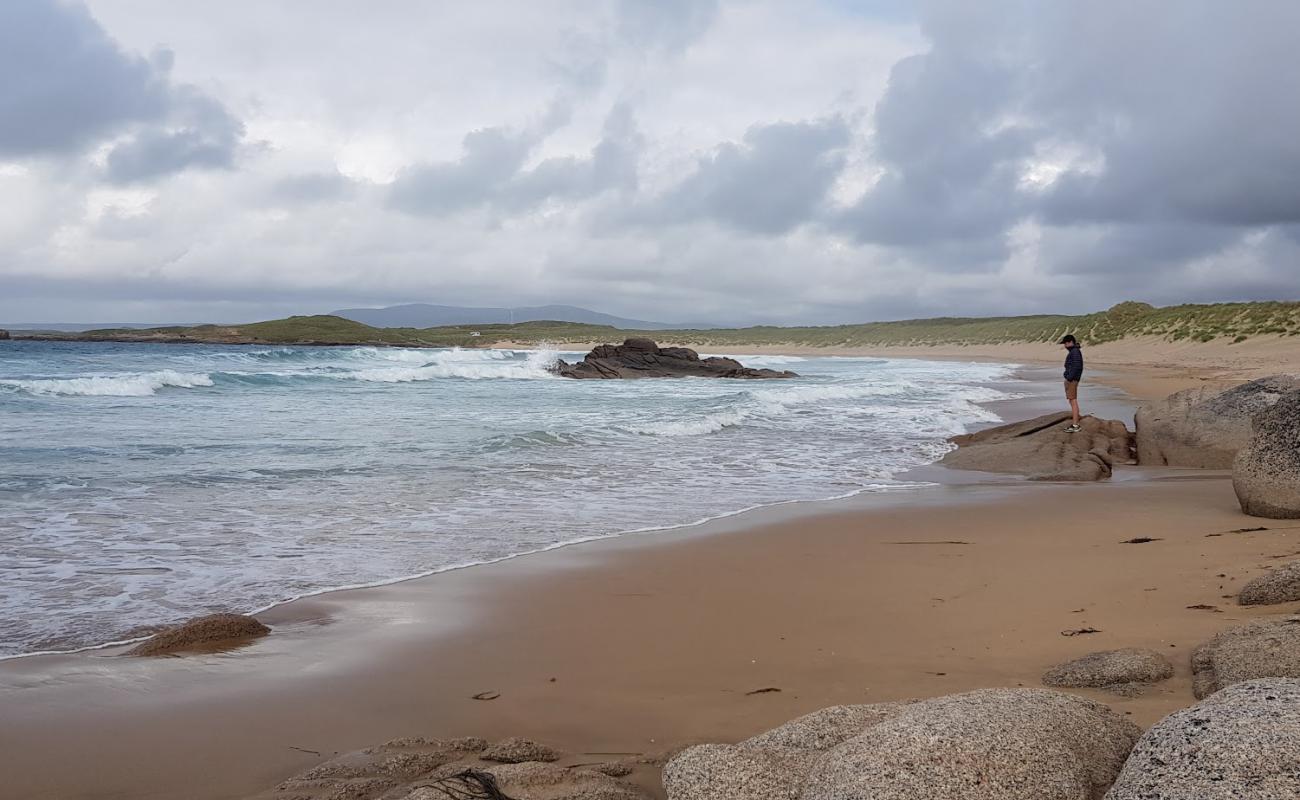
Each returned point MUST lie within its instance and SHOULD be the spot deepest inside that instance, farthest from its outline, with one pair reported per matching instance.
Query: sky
(748, 162)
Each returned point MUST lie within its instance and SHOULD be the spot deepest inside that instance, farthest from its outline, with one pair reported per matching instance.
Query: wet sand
(643, 643)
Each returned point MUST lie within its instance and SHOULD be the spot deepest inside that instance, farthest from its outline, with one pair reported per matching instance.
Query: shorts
(1071, 390)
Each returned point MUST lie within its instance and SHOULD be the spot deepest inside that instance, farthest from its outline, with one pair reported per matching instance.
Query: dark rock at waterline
(642, 358)
(214, 629)
(1266, 472)
(1204, 427)
(4, 334)
(1243, 743)
(1042, 450)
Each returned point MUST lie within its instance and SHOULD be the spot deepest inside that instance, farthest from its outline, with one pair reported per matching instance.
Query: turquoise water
(142, 484)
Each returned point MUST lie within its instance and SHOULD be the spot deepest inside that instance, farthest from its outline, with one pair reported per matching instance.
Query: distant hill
(423, 315)
(1233, 322)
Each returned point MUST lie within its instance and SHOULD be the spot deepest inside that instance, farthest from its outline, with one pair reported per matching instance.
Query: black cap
(1068, 338)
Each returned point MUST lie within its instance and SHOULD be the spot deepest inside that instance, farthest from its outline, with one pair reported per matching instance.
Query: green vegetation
(1199, 323)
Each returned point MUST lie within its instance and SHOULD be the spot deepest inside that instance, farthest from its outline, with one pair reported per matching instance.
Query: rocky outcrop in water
(1042, 450)
(4, 334)
(202, 632)
(643, 358)
(1266, 473)
(1241, 744)
(991, 744)
(1204, 427)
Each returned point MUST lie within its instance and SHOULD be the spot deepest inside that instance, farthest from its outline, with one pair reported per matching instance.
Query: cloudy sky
(738, 162)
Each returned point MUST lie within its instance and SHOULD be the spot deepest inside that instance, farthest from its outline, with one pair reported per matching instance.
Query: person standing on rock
(1073, 374)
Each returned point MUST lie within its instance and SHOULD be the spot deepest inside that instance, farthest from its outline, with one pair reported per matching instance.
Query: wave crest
(130, 385)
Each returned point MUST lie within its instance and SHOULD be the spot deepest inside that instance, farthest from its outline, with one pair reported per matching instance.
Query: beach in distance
(861, 574)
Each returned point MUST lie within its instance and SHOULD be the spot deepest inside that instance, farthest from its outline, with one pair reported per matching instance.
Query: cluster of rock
(1011, 744)
(643, 358)
(1042, 449)
(415, 768)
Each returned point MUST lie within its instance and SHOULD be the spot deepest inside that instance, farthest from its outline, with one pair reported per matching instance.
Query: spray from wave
(128, 385)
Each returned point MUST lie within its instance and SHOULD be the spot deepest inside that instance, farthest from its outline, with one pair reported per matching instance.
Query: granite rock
(991, 744)
(209, 631)
(1281, 585)
(1266, 473)
(1041, 449)
(1243, 743)
(735, 772)
(1204, 427)
(1263, 649)
(1111, 668)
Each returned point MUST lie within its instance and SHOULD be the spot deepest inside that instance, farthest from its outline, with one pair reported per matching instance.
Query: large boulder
(824, 729)
(1266, 473)
(1111, 669)
(991, 744)
(1281, 585)
(1041, 449)
(737, 772)
(4, 334)
(1204, 427)
(1264, 649)
(642, 358)
(213, 630)
(1241, 744)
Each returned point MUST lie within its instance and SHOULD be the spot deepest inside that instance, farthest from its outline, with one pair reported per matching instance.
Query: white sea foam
(471, 364)
(129, 385)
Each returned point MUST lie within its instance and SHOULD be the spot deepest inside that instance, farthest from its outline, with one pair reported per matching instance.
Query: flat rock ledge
(1263, 649)
(416, 768)
(1266, 473)
(1041, 449)
(643, 358)
(1243, 743)
(516, 751)
(1204, 427)
(1122, 671)
(1281, 585)
(201, 633)
(991, 744)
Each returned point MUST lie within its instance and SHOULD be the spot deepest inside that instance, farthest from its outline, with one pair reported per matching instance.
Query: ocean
(143, 484)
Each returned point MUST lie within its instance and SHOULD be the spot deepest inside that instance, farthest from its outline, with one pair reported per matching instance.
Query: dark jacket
(1074, 363)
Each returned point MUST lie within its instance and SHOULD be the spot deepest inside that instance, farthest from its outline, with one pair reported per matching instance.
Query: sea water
(143, 484)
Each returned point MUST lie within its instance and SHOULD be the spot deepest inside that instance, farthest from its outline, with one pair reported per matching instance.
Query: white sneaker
(1073, 429)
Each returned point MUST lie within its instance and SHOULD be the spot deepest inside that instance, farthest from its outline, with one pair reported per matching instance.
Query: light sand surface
(643, 643)
(648, 642)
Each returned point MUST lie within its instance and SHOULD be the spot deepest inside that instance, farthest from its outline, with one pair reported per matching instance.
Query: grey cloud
(490, 171)
(66, 85)
(206, 136)
(312, 187)
(771, 182)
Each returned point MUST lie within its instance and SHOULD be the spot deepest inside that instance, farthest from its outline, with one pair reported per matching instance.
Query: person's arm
(1074, 365)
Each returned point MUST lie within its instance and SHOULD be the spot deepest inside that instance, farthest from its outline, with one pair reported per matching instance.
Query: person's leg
(1074, 408)
(1072, 395)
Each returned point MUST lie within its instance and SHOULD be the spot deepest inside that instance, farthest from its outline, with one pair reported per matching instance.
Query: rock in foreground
(1041, 449)
(1266, 473)
(213, 629)
(642, 358)
(1265, 649)
(1204, 427)
(1281, 585)
(415, 768)
(1111, 668)
(1241, 744)
(992, 744)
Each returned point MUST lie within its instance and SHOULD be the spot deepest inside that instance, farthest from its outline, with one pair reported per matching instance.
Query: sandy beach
(644, 643)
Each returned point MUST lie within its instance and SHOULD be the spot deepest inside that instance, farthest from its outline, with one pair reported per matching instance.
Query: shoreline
(349, 668)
